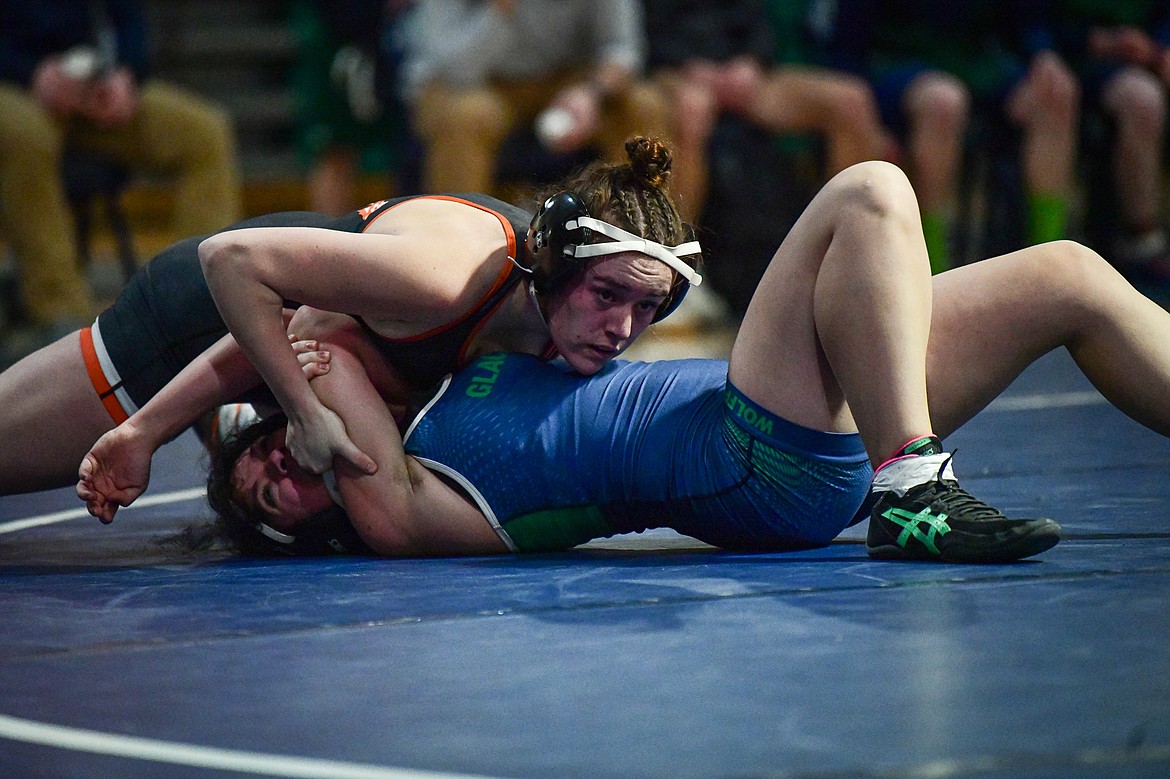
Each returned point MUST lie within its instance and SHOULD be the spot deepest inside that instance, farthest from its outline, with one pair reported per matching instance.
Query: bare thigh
(777, 359)
(51, 416)
(991, 320)
(844, 309)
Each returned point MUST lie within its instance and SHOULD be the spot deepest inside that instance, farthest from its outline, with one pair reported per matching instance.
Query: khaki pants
(462, 129)
(174, 134)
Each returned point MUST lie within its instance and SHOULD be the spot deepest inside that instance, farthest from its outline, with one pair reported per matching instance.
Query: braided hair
(633, 196)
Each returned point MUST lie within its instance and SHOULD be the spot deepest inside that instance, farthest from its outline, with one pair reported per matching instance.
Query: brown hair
(327, 532)
(634, 195)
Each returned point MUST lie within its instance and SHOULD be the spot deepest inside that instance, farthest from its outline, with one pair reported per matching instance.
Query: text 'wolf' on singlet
(426, 358)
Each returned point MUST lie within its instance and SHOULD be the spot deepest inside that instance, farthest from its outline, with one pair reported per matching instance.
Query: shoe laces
(953, 500)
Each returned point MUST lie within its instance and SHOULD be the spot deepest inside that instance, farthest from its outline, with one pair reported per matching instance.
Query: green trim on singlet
(772, 466)
(557, 529)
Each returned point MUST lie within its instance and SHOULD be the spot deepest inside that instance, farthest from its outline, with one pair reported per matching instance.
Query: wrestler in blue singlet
(555, 459)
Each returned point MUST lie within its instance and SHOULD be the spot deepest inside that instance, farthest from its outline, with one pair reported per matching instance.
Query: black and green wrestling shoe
(940, 521)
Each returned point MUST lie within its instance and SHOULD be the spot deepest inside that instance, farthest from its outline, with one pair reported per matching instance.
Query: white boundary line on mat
(1046, 400)
(62, 516)
(175, 753)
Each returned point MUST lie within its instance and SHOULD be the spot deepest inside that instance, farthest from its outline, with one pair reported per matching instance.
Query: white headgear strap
(284, 538)
(628, 242)
(274, 534)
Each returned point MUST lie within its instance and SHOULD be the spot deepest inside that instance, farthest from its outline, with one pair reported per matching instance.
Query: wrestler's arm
(251, 273)
(116, 470)
(403, 509)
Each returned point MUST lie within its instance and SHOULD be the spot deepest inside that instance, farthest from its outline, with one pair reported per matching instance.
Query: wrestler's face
(606, 307)
(268, 478)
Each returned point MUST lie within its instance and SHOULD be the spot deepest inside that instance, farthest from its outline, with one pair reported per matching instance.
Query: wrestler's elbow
(391, 534)
(385, 510)
(225, 256)
(216, 252)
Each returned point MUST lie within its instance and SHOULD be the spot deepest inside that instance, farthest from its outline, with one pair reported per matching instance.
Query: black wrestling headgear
(560, 243)
(325, 533)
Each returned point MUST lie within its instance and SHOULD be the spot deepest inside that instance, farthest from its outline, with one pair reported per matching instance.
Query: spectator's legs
(35, 215)
(694, 111)
(1137, 103)
(332, 182)
(937, 107)
(461, 131)
(178, 134)
(640, 110)
(838, 106)
(1046, 104)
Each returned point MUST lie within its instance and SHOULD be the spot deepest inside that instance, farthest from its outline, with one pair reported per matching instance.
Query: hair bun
(650, 160)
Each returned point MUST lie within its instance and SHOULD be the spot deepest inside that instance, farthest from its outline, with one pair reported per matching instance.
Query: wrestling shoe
(938, 520)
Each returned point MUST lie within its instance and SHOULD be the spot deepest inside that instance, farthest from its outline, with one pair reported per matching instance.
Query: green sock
(1047, 216)
(934, 230)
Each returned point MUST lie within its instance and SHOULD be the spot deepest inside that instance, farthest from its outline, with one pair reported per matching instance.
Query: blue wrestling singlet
(555, 459)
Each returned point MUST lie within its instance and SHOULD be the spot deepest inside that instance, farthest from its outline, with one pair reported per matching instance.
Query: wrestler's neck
(516, 326)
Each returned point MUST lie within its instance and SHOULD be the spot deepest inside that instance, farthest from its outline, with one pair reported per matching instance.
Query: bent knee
(453, 112)
(875, 187)
(695, 111)
(1071, 271)
(938, 100)
(212, 136)
(856, 106)
(640, 109)
(1056, 86)
(1137, 97)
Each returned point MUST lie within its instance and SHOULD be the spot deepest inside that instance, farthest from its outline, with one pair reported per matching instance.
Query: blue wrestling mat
(125, 655)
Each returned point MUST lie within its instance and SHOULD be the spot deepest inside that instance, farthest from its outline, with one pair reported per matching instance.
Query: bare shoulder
(455, 246)
(439, 219)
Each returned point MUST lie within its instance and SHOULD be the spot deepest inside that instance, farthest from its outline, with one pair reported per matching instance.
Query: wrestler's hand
(114, 472)
(314, 443)
(313, 359)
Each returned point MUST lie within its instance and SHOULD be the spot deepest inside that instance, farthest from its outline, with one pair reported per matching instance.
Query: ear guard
(559, 243)
(324, 533)
(329, 532)
(550, 242)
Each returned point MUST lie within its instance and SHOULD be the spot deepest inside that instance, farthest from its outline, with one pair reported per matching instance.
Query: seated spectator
(714, 58)
(932, 65)
(74, 73)
(1119, 52)
(347, 124)
(476, 70)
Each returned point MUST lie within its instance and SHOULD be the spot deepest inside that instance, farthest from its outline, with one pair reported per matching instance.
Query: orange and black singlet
(427, 357)
(165, 316)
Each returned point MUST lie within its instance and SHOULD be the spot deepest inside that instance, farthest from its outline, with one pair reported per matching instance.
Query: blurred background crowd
(127, 124)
